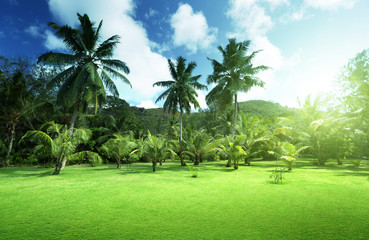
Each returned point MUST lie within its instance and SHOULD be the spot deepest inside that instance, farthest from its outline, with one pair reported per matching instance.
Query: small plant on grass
(356, 163)
(288, 153)
(194, 171)
(276, 177)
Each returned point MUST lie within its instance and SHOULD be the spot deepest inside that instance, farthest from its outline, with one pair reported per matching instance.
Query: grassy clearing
(105, 203)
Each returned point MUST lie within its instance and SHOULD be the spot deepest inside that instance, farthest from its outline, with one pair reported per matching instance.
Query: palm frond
(93, 157)
(115, 64)
(105, 49)
(117, 75)
(109, 83)
(164, 83)
(57, 59)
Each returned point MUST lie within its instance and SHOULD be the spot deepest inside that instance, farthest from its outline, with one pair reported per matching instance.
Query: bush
(19, 159)
(356, 163)
(194, 171)
(277, 176)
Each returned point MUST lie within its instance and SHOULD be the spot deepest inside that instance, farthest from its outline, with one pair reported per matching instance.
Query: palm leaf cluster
(89, 69)
(235, 74)
(181, 91)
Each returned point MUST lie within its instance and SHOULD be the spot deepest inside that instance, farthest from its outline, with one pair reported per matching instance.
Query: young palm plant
(201, 145)
(156, 149)
(63, 145)
(87, 68)
(235, 74)
(181, 92)
(234, 149)
(119, 148)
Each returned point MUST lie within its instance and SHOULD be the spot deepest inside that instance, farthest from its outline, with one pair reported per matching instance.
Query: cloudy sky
(305, 42)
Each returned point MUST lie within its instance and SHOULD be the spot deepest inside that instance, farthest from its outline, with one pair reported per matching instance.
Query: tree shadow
(16, 172)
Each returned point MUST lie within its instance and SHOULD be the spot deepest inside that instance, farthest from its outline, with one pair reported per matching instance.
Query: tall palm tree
(235, 74)
(180, 92)
(88, 67)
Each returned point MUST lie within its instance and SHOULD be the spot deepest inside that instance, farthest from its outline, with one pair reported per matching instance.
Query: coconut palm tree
(181, 92)
(56, 142)
(235, 74)
(88, 68)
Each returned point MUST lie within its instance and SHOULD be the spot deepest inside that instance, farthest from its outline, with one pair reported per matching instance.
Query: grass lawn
(102, 202)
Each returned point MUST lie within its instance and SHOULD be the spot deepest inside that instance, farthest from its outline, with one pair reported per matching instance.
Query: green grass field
(102, 202)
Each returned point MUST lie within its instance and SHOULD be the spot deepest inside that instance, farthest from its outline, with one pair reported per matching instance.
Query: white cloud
(251, 21)
(201, 99)
(151, 13)
(191, 29)
(52, 42)
(33, 30)
(147, 104)
(330, 4)
(296, 16)
(146, 66)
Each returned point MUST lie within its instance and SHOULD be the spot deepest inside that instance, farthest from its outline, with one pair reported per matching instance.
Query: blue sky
(306, 42)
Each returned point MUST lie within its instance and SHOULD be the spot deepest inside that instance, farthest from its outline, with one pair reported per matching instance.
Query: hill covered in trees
(157, 121)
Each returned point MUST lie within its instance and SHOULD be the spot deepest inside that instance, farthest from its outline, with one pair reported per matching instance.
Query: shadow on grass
(12, 172)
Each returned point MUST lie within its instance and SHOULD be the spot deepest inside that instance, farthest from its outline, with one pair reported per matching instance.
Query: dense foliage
(61, 112)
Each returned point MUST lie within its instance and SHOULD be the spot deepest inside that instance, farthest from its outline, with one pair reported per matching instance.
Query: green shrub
(356, 163)
(194, 171)
(276, 177)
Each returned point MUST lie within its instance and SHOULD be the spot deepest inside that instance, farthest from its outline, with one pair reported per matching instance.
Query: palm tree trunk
(229, 163)
(153, 166)
(96, 103)
(118, 164)
(71, 130)
(181, 140)
(235, 116)
(59, 164)
(57, 168)
(12, 136)
(74, 117)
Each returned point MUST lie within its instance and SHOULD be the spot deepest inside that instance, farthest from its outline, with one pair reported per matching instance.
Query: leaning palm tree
(180, 92)
(87, 69)
(56, 142)
(235, 74)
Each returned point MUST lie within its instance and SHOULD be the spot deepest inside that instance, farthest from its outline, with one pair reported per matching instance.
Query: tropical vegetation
(64, 112)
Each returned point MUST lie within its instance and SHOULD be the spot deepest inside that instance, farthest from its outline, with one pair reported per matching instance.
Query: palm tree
(200, 146)
(63, 146)
(235, 74)
(234, 149)
(180, 92)
(14, 99)
(156, 149)
(86, 69)
(119, 148)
